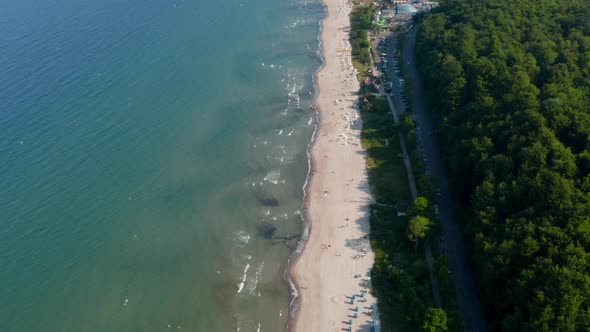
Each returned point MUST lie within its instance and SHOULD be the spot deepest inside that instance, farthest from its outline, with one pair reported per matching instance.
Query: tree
(435, 320)
(418, 227)
(418, 207)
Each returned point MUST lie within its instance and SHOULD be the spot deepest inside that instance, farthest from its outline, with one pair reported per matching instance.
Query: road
(412, 183)
(462, 276)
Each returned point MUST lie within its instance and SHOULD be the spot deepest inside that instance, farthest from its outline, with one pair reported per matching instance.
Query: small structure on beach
(402, 208)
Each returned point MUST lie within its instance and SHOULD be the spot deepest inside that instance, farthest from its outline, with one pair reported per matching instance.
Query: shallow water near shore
(152, 158)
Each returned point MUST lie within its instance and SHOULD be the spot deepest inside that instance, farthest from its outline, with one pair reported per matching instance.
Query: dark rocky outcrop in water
(269, 201)
(266, 230)
(266, 199)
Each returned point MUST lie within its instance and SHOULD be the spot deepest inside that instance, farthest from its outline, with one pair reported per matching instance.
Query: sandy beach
(332, 274)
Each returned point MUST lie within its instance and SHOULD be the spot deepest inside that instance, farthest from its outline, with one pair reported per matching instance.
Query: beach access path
(332, 274)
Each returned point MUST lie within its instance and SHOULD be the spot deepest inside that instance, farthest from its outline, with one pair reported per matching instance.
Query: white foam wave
(241, 283)
(294, 98)
(252, 286)
(273, 177)
(243, 237)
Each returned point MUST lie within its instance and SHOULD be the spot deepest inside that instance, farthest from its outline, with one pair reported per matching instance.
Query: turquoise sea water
(152, 158)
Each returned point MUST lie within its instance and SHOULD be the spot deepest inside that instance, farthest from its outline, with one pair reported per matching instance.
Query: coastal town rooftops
(404, 8)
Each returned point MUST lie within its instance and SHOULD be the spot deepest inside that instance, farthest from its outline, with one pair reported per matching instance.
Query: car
(436, 209)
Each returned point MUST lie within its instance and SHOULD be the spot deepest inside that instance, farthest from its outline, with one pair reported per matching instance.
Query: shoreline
(319, 257)
(292, 280)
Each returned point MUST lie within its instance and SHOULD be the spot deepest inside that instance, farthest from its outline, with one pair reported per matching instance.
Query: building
(388, 13)
(405, 8)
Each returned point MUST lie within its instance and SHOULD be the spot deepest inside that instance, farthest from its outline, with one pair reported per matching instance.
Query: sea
(153, 158)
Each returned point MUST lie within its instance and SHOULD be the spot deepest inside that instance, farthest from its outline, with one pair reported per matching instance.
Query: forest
(508, 84)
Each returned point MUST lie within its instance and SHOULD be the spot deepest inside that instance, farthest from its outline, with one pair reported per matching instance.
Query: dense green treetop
(435, 320)
(509, 88)
(418, 228)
